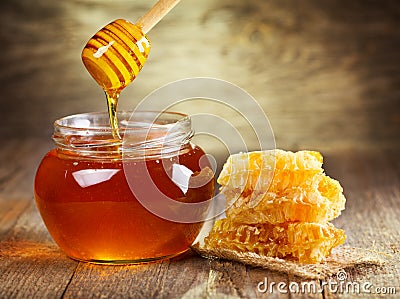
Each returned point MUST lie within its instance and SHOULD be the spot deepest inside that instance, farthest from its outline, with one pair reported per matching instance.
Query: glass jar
(93, 191)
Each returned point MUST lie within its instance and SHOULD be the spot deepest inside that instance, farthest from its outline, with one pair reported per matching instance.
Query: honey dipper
(115, 54)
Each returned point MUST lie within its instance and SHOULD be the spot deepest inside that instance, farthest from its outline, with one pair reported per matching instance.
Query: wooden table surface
(326, 74)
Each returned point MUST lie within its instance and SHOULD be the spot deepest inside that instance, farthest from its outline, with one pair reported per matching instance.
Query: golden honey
(87, 203)
(114, 57)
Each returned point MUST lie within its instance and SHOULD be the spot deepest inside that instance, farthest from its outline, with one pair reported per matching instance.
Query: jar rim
(180, 117)
(144, 133)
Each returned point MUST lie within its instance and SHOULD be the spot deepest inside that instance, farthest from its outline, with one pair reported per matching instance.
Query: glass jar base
(131, 262)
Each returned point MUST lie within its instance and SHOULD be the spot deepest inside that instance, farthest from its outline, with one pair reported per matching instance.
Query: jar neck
(144, 135)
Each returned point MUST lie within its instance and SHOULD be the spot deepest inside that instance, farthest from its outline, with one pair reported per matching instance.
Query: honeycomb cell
(254, 171)
(280, 186)
(301, 241)
(279, 204)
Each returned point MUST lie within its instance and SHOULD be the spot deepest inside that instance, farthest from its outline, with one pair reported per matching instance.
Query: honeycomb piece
(321, 203)
(279, 205)
(280, 186)
(254, 171)
(301, 241)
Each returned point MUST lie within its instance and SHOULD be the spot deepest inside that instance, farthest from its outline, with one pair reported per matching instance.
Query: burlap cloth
(342, 257)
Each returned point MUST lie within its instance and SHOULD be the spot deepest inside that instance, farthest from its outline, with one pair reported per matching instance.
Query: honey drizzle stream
(112, 103)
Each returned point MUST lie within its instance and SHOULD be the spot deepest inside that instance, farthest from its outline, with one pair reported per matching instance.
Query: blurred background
(326, 73)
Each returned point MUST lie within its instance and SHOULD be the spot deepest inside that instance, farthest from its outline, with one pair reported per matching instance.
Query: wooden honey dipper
(115, 55)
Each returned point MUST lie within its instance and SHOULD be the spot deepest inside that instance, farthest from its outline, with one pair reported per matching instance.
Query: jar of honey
(93, 190)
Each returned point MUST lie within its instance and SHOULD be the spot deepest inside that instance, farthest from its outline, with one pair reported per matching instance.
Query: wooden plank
(93, 281)
(371, 218)
(371, 186)
(10, 210)
(229, 279)
(183, 277)
(31, 265)
(20, 160)
(186, 277)
(234, 280)
(28, 254)
(371, 215)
